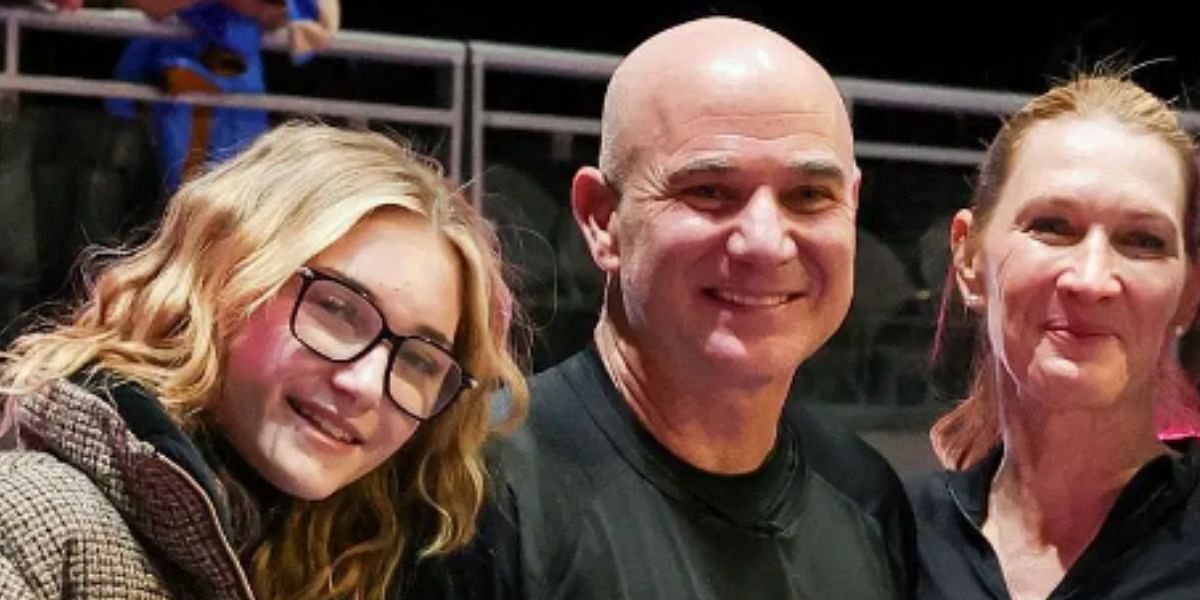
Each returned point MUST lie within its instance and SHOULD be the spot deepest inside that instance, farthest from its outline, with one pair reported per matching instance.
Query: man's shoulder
(845, 461)
(50, 512)
(830, 446)
(861, 479)
(928, 492)
(558, 430)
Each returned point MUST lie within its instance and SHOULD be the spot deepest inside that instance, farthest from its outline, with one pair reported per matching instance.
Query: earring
(1180, 330)
(973, 301)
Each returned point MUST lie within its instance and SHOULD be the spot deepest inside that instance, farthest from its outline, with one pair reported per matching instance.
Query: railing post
(458, 82)
(10, 100)
(12, 44)
(478, 117)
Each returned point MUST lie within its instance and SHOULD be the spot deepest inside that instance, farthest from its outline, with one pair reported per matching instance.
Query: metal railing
(387, 48)
(506, 58)
(490, 57)
(483, 58)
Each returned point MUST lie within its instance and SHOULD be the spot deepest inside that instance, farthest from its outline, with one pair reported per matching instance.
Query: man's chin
(759, 362)
(783, 351)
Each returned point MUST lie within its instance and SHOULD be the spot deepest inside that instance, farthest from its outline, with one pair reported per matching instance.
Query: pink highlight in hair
(1177, 409)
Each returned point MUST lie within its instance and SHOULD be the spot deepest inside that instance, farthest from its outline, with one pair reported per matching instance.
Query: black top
(587, 504)
(1147, 549)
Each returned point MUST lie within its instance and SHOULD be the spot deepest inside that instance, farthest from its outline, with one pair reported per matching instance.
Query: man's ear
(855, 187)
(594, 204)
(965, 261)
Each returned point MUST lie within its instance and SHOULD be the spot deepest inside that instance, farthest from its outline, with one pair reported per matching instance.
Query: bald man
(663, 462)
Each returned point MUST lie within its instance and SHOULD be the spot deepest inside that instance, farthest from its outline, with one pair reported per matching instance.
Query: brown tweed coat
(89, 510)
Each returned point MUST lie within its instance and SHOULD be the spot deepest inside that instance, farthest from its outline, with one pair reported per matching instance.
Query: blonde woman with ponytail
(1073, 467)
(282, 394)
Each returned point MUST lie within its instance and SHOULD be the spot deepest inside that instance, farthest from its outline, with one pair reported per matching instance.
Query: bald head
(714, 66)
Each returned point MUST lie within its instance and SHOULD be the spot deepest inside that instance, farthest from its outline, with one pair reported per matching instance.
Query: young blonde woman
(282, 394)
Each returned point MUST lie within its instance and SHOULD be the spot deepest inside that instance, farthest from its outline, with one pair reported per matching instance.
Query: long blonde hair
(970, 430)
(161, 314)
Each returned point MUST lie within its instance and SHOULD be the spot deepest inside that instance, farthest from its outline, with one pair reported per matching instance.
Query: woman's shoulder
(45, 496)
(60, 532)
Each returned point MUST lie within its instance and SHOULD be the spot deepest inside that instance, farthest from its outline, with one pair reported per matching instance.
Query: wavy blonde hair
(162, 314)
(968, 432)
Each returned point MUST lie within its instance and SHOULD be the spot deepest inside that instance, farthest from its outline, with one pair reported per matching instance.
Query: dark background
(993, 45)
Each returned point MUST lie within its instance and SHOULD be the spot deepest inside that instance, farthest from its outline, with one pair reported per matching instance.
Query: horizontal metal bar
(121, 22)
(543, 61)
(391, 48)
(536, 122)
(74, 86)
(938, 98)
(348, 44)
(916, 153)
(871, 150)
(930, 97)
(874, 150)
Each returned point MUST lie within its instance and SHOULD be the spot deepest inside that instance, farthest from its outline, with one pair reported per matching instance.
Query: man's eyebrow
(702, 166)
(819, 168)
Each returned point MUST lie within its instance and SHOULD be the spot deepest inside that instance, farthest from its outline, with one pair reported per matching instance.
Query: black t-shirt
(587, 504)
(1147, 549)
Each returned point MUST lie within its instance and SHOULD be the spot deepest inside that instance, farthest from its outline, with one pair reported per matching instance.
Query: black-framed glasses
(340, 323)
